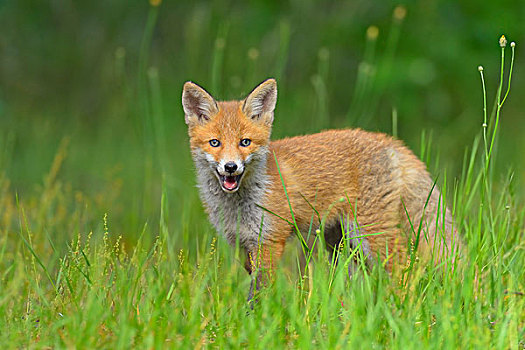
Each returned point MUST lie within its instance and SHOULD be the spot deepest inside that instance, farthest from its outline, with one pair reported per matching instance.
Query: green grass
(99, 292)
(104, 242)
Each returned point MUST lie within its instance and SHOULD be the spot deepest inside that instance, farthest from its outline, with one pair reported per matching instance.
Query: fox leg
(382, 231)
(262, 261)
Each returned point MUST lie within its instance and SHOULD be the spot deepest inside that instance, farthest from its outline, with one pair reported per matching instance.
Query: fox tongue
(230, 183)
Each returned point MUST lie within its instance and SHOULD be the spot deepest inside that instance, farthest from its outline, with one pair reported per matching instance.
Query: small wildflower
(318, 231)
(513, 44)
(484, 125)
(372, 32)
(480, 68)
(502, 41)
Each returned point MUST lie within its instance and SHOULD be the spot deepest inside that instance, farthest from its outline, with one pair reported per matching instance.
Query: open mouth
(230, 183)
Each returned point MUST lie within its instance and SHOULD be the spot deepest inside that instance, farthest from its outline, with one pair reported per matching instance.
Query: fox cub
(368, 185)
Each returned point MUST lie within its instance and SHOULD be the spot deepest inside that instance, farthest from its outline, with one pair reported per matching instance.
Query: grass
(102, 269)
(101, 293)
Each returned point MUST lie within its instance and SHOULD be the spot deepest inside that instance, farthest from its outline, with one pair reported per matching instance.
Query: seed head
(480, 68)
(372, 32)
(513, 44)
(253, 53)
(502, 41)
(399, 13)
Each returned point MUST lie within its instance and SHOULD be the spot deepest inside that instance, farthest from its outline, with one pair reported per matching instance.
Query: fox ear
(199, 105)
(260, 103)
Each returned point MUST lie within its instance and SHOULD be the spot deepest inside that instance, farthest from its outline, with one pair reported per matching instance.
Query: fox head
(229, 139)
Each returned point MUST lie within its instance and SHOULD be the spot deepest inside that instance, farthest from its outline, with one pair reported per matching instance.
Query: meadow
(103, 239)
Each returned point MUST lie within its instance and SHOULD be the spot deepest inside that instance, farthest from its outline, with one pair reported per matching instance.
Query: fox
(258, 192)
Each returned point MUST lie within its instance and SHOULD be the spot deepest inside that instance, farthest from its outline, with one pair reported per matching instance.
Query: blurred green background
(98, 83)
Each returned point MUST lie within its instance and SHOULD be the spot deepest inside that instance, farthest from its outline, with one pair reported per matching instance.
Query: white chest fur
(238, 215)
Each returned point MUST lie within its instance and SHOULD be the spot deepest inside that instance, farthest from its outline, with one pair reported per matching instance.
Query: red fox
(367, 184)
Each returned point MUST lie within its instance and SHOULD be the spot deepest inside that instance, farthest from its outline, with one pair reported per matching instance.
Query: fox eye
(245, 142)
(215, 143)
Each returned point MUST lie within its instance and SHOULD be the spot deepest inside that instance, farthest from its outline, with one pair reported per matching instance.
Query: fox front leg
(260, 264)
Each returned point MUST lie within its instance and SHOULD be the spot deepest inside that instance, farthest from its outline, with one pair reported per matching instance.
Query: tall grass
(374, 71)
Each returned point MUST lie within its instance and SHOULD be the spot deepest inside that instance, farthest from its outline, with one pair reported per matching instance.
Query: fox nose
(230, 167)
